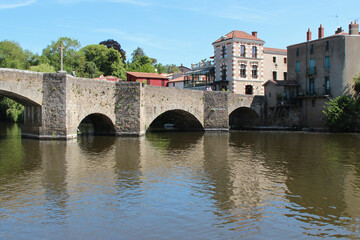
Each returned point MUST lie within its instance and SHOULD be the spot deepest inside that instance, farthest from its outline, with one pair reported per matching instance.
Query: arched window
(254, 52)
(254, 71)
(249, 89)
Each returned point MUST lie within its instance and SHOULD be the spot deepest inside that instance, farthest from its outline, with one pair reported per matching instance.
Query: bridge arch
(244, 118)
(176, 120)
(96, 124)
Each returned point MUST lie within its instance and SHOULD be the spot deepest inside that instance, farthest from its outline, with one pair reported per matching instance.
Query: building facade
(324, 68)
(147, 78)
(242, 64)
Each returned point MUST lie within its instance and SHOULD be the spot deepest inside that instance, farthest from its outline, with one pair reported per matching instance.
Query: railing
(311, 71)
(322, 91)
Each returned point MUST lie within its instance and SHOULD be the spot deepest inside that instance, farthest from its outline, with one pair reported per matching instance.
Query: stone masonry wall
(127, 108)
(216, 115)
(24, 87)
(158, 100)
(54, 106)
(88, 96)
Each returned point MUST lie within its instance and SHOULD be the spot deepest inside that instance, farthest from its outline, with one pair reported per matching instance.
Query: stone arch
(244, 118)
(96, 124)
(176, 120)
(32, 113)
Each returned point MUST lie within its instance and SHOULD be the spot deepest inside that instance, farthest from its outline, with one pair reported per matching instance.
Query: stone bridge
(57, 104)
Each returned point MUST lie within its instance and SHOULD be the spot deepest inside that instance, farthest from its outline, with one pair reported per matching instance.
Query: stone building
(242, 64)
(324, 68)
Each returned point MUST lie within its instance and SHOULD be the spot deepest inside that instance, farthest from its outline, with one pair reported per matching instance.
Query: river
(238, 185)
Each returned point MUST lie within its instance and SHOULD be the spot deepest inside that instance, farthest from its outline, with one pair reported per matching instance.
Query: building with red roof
(154, 79)
(242, 64)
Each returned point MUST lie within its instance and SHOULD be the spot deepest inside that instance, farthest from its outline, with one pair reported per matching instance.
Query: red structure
(148, 78)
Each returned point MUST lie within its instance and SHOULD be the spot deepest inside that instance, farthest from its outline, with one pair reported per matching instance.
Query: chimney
(321, 31)
(308, 35)
(254, 34)
(354, 28)
(339, 30)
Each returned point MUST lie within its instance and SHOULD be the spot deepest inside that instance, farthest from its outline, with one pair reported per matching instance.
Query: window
(224, 51)
(248, 89)
(274, 75)
(243, 71)
(313, 103)
(254, 71)
(327, 46)
(254, 52)
(298, 52)
(242, 50)
(311, 86)
(297, 67)
(285, 60)
(312, 49)
(327, 62)
(285, 75)
(223, 73)
(327, 85)
(274, 59)
(312, 69)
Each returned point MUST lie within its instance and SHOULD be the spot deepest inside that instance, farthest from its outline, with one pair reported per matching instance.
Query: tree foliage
(71, 56)
(11, 110)
(43, 67)
(107, 60)
(13, 56)
(110, 43)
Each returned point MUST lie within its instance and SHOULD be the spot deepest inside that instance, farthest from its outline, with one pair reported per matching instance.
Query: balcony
(311, 71)
(317, 92)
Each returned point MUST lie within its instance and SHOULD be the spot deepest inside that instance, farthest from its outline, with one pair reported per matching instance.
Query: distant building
(109, 78)
(324, 68)
(176, 83)
(242, 64)
(200, 76)
(184, 69)
(147, 78)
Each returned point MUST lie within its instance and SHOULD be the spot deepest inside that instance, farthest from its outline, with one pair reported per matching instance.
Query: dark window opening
(249, 89)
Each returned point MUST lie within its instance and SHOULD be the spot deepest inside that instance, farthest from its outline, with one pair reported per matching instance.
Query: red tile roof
(179, 79)
(274, 49)
(238, 34)
(146, 75)
(109, 78)
(282, 82)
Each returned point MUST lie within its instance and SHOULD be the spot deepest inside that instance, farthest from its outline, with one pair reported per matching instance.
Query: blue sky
(173, 32)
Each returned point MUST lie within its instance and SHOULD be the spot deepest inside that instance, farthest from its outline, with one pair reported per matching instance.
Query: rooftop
(146, 75)
(240, 35)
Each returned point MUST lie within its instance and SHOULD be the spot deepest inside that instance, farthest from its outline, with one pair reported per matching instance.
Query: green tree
(110, 43)
(172, 68)
(13, 56)
(71, 56)
(341, 114)
(107, 60)
(141, 64)
(137, 53)
(11, 110)
(43, 67)
(160, 68)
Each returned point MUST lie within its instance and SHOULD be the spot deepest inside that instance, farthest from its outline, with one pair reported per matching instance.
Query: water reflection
(195, 185)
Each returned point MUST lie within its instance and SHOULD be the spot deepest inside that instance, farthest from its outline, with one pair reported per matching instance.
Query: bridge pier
(216, 115)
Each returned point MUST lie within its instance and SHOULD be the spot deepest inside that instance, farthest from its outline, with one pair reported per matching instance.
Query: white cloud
(15, 4)
(144, 39)
(133, 2)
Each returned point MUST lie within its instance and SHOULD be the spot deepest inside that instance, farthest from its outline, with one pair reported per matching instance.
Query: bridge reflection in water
(195, 185)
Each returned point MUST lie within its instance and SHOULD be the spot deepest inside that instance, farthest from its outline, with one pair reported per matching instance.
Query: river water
(238, 185)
